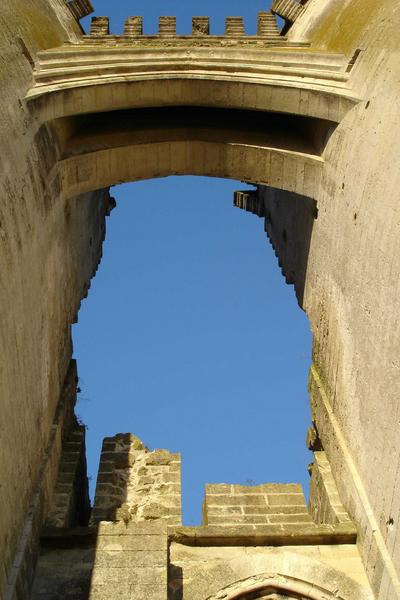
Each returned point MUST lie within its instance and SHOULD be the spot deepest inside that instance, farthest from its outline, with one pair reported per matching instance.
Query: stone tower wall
(345, 266)
(49, 249)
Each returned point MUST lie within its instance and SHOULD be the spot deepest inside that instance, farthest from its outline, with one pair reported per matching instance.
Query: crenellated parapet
(235, 31)
(136, 547)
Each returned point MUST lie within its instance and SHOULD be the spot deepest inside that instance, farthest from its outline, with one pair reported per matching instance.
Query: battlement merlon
(137, 485)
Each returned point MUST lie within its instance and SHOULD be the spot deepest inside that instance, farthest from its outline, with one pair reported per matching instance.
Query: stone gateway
(319, 137)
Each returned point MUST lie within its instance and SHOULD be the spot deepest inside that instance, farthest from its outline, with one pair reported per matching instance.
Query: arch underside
(251, 164)
(261, 148)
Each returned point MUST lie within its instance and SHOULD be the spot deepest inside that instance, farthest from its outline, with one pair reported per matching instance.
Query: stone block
(296, 518)
(230, 510)
(125, 559)
(286, 500)
(242, 500)
(219, 488)
(268, 488)
(235, 519)
(141, 542)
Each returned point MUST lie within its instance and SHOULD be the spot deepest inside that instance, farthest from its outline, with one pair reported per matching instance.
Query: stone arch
(284, 571)
(267, 585)
(238, 161)
(84, 79)
(79, 90)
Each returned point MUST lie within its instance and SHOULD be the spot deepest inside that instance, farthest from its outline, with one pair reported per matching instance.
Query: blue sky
(190, 337)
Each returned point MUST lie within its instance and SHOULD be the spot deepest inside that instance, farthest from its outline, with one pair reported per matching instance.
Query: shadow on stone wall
(124, 550)
(289, 222)
(175, 582)
(65, 565)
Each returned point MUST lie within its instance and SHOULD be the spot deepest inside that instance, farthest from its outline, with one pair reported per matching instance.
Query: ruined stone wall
(266, 504)
(135, 484)
(124, 551)
(49, 249)
(349, 283)
(135, 546)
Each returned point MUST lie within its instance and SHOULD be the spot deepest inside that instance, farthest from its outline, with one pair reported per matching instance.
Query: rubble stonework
(135, 484)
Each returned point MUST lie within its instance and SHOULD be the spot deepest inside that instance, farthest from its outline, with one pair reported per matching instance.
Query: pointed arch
(266, 584)
(285, 572)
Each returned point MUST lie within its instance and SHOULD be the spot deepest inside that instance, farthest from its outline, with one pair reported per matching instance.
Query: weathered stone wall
(131, 561)
(117, 560)
(64, 571)
(197, 573)
(49, 248)
(143, 561)
(351, 277)
(134, 547)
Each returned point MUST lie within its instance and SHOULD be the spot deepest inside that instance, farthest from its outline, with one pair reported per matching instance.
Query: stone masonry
(135, 547)
(270, 503)
(135, 484)
(70, 502)
(318, 136)
(131, 561)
